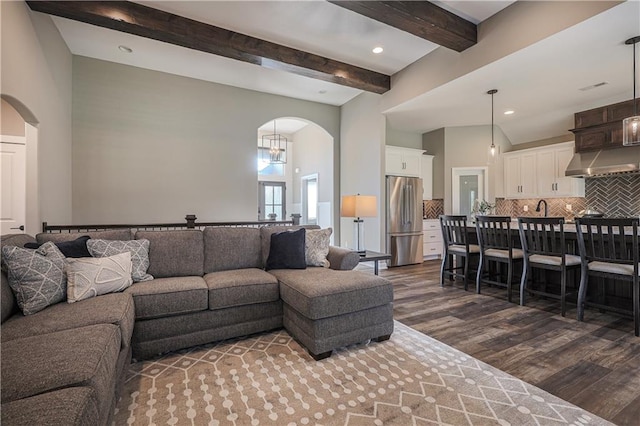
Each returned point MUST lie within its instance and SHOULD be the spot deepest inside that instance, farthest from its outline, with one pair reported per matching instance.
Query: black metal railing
(190, 223)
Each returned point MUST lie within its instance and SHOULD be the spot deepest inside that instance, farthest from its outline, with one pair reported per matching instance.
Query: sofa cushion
(169, 296)
(320, 292)
(228, 248)
(111, 234)
(116, 309)
(265, 238)
(36, 276)
(139, 250)
(286, 250)
(70, 406)
(241, 287)
(175, 253)
(85, 356)
(93, 276)
(8, 300)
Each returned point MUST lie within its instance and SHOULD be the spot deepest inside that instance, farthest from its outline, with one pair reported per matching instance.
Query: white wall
(313, 153)
(11, 122)
(36, 71)
(362, 164)
(152, 147)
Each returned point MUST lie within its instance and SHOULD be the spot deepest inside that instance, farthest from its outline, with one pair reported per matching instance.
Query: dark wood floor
(594, 364)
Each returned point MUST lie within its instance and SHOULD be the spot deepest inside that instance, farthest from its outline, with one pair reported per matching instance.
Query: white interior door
(13, 168)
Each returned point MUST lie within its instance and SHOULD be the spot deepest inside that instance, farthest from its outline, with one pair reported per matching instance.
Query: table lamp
(359, 206)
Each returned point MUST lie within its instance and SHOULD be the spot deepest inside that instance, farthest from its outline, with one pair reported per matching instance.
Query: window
(266, 168)
(310, 199)
(272, 200)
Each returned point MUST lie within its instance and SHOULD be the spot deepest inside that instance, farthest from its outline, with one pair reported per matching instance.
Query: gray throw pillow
(139, 250)
(92, 276)
(317, 247)
(36, 276)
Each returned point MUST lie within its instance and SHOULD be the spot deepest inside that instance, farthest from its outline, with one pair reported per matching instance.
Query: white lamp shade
(359, 206)
(631, 131)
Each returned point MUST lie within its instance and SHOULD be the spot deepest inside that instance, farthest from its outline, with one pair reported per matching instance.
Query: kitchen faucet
(546, 210)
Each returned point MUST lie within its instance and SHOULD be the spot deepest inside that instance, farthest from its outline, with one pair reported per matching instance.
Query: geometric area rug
(269, 379)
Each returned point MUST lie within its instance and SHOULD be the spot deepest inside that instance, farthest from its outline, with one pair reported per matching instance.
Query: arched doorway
(20, 128)
(303, 184)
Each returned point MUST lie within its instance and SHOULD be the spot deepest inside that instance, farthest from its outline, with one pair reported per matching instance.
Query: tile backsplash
(557, 207)
(432, 209)
(615, 196)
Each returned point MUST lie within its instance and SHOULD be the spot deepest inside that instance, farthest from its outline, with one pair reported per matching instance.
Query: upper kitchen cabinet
(403, 161)
(539, 172)
(427, 177)
(519, 174)
(600, 128)
(551, 163)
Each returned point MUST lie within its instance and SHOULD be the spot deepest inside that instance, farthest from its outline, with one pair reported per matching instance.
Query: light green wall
(362, 154)
(36, 71)
(152, 147)
(397, 137)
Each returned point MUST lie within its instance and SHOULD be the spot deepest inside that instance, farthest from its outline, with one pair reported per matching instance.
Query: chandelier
(273, 147)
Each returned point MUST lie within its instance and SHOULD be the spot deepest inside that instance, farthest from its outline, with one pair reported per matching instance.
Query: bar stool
(609, 249)
(544, 246)
(456, 244)
(494, 238)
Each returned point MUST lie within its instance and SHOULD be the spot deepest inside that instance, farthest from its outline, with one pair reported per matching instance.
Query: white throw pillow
(139, 250)
(317, 247)
(92, 276)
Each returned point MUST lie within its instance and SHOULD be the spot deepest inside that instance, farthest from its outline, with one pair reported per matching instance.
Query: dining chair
(457, 249)
(609, 249)
(544, 246)
(496, 245)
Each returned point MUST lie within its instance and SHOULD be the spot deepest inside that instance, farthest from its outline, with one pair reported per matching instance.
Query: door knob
(21, 227)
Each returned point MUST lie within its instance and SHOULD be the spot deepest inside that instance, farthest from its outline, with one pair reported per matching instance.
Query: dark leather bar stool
(456, 247)
(609, 249)
(544, 247)
(496, 245)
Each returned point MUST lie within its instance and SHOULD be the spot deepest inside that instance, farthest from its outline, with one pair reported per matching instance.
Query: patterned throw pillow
(36, 276)
(317, 247)
(139, 250)
(92, 276)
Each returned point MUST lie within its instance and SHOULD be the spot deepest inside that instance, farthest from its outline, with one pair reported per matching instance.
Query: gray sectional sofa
(64, 364)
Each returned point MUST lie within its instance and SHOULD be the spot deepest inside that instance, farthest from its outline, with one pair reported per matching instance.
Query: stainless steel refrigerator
(404, 220)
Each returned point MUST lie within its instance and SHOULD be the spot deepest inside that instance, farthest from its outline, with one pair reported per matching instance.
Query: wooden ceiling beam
(421, 18)
(158, 25)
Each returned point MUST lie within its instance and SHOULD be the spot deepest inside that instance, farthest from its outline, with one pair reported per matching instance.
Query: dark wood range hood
(599, 149)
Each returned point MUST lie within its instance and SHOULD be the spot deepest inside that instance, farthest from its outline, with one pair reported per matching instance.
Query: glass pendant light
(492, 148)
(631, 125)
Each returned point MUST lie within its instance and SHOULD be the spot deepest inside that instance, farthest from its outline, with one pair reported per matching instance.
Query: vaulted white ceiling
(539, 82)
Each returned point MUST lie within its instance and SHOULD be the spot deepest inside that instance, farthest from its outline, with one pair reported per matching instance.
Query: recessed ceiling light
(125, 49)
(322, 92)
(509, 112)
(377, 49)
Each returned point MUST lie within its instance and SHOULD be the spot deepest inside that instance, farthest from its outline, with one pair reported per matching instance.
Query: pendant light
(493, 145)
(274, 147)
(631, 125)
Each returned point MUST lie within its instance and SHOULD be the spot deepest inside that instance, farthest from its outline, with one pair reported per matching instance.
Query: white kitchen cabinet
(520, 174)
(427, 177)
(551, 165)
(432, 244)
(401, 161)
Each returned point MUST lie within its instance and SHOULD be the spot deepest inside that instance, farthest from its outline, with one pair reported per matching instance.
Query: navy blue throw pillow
(286, 250)
(75, 248)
